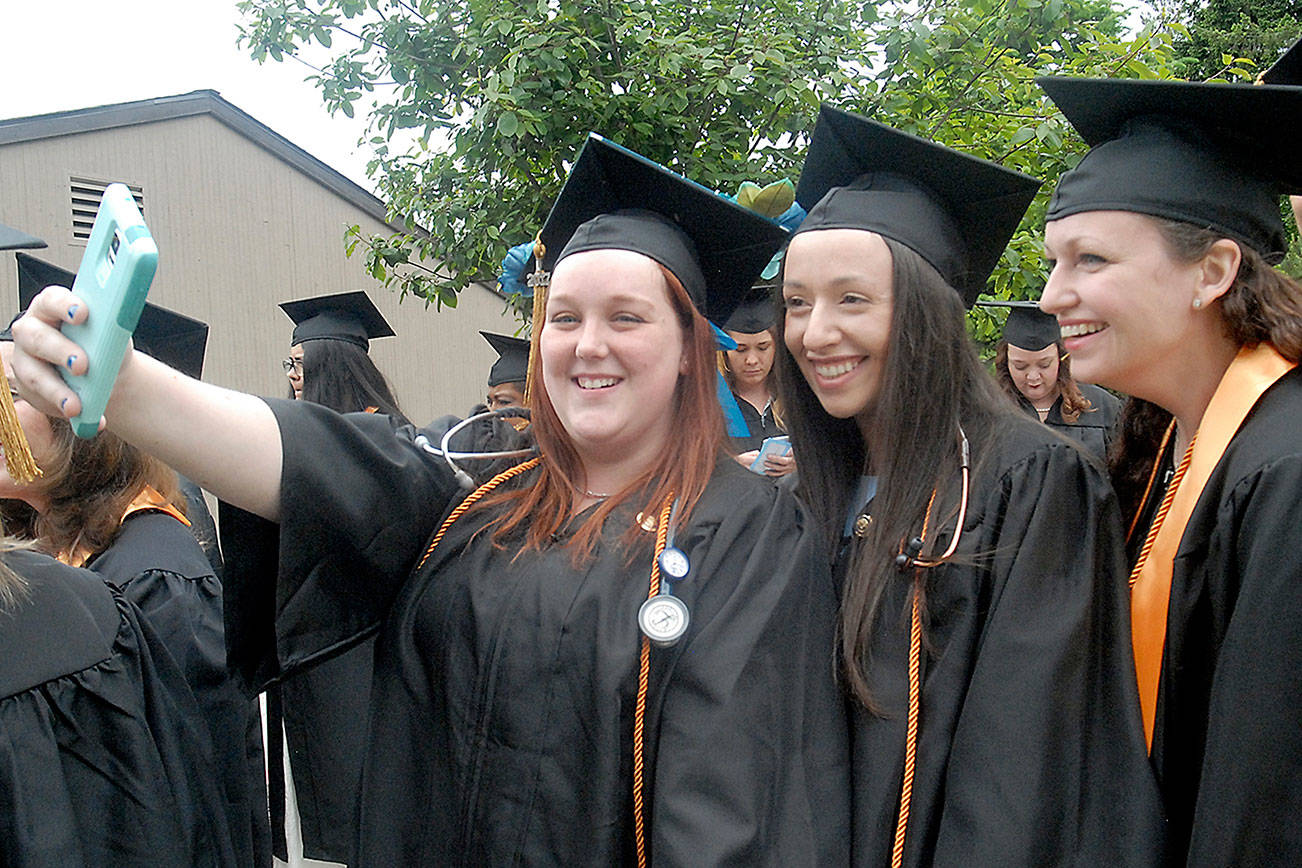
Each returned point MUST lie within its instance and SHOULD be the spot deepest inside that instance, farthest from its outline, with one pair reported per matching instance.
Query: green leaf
(508, 124)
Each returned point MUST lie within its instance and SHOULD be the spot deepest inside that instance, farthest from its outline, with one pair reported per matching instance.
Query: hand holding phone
(113, 281)
(780, 445)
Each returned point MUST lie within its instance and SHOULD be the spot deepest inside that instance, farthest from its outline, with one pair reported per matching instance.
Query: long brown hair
(932, 382)
(1262, 304)
(1073, 402)
(544, 506)
(770, 380)
(89, 485)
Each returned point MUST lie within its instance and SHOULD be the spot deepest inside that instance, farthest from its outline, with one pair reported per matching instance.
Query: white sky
(153, 48)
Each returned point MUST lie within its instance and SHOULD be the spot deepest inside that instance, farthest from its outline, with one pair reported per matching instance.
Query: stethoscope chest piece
(663, 619)
(673, 563)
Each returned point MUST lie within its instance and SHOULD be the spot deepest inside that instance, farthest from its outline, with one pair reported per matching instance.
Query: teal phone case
(113, 281)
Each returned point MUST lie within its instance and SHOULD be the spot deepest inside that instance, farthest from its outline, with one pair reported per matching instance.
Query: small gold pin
(862, 525)
(648, 522)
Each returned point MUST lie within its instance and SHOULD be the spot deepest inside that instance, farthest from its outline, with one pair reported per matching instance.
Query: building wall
(239, 230)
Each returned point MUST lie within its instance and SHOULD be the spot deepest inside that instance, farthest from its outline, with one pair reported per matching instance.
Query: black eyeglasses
(292, 366)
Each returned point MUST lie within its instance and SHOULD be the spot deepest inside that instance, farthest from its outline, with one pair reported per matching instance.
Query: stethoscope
(663, 617)
(909, 555)
(463, 478)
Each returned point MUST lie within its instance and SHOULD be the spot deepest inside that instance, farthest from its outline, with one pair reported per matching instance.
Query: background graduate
(316, 720)
(748, 371)
(1161, 242)
(983, 602)
(1034, 369)
(520, 715)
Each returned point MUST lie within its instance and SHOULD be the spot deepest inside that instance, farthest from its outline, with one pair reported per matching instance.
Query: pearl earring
(1198, 303)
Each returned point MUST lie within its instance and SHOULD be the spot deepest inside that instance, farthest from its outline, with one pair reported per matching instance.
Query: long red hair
(683, 469)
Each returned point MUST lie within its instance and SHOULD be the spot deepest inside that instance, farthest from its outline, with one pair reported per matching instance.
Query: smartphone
(771, 446)
(113, 280)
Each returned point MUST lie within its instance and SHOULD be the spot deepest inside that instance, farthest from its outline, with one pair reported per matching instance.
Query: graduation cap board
(14, 239)
(1027, 327)
(1208, 154)
(752, 316)
(954, 210)
(173, 338)
(616, 199)
(512, 365)
(345, 316)
(1286, 70)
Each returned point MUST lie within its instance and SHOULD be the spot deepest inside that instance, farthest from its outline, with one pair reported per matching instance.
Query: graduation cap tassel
(539, 281)
(18, 454)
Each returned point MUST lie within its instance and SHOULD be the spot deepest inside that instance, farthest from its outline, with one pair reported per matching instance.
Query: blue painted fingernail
(71, 359)
(72, 311)
(63, 403)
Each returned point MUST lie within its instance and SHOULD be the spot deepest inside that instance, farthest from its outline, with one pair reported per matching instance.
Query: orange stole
(1252, 372)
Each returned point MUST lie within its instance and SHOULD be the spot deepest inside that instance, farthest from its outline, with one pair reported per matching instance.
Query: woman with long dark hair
(982, 616)
(1161, 242)
(614, 652)
(329, 362)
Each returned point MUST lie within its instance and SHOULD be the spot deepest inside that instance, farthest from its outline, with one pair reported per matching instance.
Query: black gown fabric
(1227, 743)
(104, 759)
(157, 564)
(1031, 750)
(759, 425)
(503, 702)
(1093, 429)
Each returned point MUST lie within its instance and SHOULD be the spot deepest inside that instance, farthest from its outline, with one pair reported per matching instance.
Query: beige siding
(238, 231)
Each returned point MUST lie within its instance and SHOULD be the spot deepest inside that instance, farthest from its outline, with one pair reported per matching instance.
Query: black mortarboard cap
(1027, 327)
(752, 316)
(954, 210)
(1213, 155)
(1286, 70)
(13, 239)
(512, 365)
(616, 199)
(173, 338)
(343, 316)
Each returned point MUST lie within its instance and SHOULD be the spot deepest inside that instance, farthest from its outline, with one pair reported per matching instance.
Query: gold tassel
(18, 455)
(539, 280)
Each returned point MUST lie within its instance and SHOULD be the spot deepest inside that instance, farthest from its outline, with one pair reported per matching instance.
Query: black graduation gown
(1031, 750)
(502, 707)
(759, 425)
(103, 756)
(156, 562)
(1227, 742)
(1093, 429)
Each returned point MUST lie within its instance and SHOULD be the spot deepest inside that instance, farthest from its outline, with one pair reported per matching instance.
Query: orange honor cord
(1252, 372)
(473, 498)
(643, 680)
(915, 702)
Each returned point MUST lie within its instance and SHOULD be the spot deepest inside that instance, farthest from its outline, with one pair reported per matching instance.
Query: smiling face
(751, 362)
(1124, 304)
(1035, 373)
(838, 295)
(612, 352)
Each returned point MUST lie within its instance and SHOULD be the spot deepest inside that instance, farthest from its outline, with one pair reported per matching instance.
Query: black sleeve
(1249, 797)
(1048, 755)
(359, 499)
(752, 763)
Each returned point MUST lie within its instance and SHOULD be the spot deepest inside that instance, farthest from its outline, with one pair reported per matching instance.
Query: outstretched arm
(226, 441)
